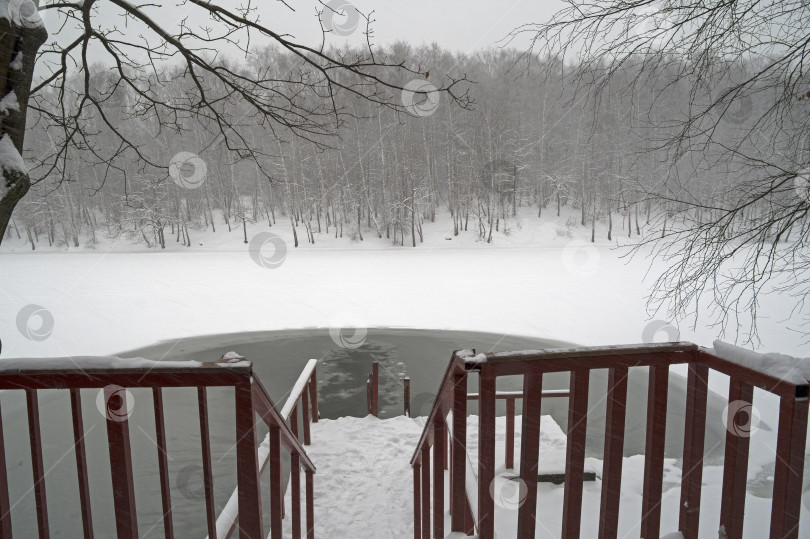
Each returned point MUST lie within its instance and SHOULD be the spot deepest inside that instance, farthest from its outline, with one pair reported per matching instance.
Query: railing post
(425, 461)
(368, 395)
(247, 467)
(787, 480)
(575, 452)
(735, 465)
(446, 446)
(81, 468)
(305, 413)
(407, 396)
(208, 479)
(310, 505)
(693, 438)
(295, 483)
(375, 389)
(614, 449)
(486, 451)
(510, 432)
(529, 451)
(417, 517)
(458, 474)
(294, 420)
(275, 482)
(438, 477)
(5, 508)
(654, 451)
(126, 522)
(313, 392)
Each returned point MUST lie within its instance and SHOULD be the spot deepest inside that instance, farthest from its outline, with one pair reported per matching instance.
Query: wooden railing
(467, 505)
(305, 392)
(251, 399)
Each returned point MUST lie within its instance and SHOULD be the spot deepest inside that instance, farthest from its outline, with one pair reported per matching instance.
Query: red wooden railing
(251, 399)
(510, 397)
(305, 392)
(452, 398)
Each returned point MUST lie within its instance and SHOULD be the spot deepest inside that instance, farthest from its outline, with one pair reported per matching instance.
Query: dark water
(278, 358)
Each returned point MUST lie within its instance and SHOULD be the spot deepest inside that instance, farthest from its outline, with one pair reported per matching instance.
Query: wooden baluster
(575, 452)
(426, 491)
(530, 451)
(208, 477)
(294, 420)
(417, 517)
(313, 392)
(310, 505)
(510, 433)
(275, 482)
(295, 482)
(38, 469)
(735, 465)
(247, 468)
(654, 452)
(305, 403)
(693, 438)
(486, 452)
(787, 477)
(375, 389)
(5, 508)
(126, 522)
(406, 397)
(368, 395)
(438, 477)
(459, 472)
(448, 451)
(446, 446)
(81, 462)
(614, 448)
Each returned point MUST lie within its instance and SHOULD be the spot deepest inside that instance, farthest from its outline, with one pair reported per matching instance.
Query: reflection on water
(278, 358)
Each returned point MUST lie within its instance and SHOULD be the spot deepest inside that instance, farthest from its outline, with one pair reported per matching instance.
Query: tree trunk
(26, 41)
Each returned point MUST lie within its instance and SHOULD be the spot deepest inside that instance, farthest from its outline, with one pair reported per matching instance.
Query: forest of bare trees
(534, 137)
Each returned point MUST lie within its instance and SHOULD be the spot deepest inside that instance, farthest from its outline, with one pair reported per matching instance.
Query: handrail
(306, 383)
(579, 362)
(115, 374)
(307, 376)
(507, 395)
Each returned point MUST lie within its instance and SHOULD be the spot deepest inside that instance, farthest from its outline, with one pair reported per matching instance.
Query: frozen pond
(278, 358)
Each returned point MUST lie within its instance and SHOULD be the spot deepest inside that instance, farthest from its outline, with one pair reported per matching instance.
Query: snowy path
(363, 482)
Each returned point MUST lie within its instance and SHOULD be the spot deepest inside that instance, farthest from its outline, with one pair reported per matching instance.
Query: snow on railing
(304, 390)
(780, 375)
(114, 376)
(790, 369)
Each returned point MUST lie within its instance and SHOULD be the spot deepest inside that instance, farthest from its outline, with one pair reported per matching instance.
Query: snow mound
(790, 369)
(10, 158)
(231, 357)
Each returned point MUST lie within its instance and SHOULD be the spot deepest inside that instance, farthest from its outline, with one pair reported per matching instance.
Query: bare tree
(724, 91)
(93, 75)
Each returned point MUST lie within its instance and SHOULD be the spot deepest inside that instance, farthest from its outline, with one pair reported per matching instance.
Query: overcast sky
(456, 25)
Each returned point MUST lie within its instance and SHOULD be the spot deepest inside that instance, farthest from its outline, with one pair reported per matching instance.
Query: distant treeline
(534, 137)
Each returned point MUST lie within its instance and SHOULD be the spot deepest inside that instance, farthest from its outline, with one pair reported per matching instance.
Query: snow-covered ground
(533, 281)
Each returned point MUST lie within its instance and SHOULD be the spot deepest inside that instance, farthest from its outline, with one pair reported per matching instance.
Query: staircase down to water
(448, 474)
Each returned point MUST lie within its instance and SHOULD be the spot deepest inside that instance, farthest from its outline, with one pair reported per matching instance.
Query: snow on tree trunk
(19, 44)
